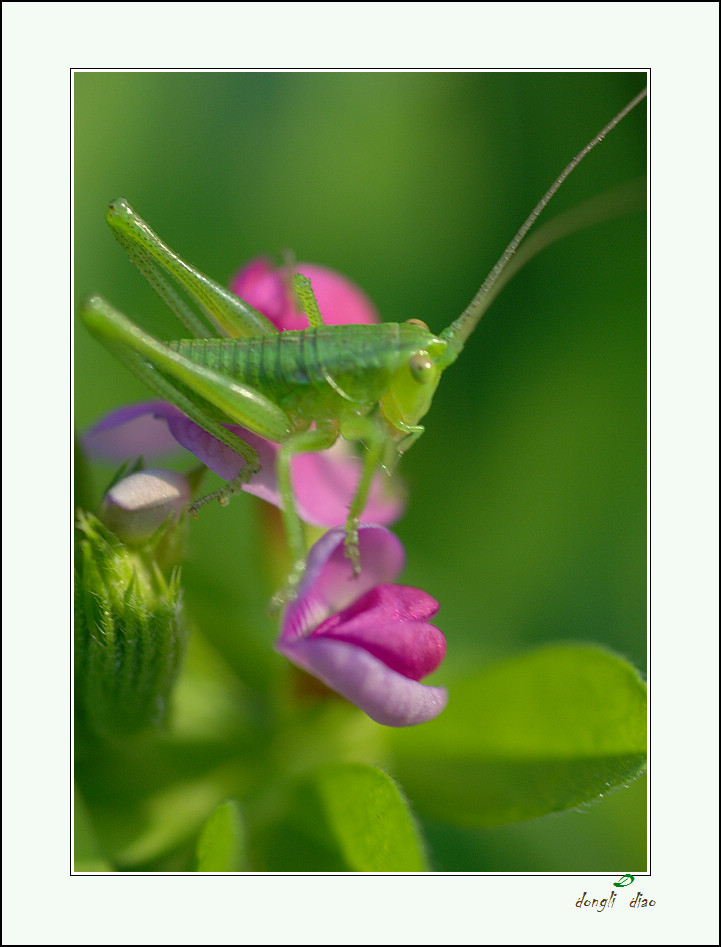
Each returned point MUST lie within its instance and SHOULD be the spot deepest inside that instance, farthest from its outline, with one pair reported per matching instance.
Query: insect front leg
(321, 437)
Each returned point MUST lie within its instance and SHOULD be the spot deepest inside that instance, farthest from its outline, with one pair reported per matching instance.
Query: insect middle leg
(371, 432)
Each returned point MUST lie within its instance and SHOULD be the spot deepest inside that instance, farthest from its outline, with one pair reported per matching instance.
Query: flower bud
(130, 633)
(145, 510)
(135, 507)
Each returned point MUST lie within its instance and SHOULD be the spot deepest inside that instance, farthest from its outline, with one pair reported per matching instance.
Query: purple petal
(138, 429)
(329, 584)
(216, 455)
(387, 697)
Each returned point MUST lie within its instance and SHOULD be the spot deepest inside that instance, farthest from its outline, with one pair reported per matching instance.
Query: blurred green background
(527, 511)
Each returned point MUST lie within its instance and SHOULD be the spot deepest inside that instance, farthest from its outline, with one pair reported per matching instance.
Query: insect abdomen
(313, 372)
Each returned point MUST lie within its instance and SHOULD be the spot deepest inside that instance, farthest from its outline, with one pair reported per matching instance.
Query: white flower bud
(136, 506)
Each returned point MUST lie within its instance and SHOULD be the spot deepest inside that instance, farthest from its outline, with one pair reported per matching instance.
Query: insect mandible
(366, 383)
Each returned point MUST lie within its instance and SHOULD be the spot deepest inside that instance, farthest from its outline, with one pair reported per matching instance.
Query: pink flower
(367, 639)
(323, 483)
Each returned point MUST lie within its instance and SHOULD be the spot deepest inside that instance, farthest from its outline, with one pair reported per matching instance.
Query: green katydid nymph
(301, 389)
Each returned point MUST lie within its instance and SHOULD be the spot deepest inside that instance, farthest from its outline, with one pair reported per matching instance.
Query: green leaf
(221, 843)
(546, 731)
(348, 817)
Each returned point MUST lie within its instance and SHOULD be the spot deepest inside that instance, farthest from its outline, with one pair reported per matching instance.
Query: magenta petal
(269, 289)
(387, 697)
(386, 603)
(388, 622)
(413, 649)
(260, 284)
(340, 301)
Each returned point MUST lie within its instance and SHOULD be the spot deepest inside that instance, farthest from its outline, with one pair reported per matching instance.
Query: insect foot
(289, 591)
(232, 489)
(351, 545)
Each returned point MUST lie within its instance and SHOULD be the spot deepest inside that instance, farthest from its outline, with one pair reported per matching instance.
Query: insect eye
(417, 322)
(420, 366)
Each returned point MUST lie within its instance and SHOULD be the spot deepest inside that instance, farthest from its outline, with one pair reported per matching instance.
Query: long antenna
(458, 332)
